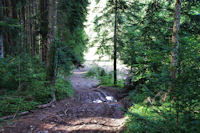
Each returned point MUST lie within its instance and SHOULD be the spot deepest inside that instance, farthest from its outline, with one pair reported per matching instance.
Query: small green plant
(144, 119)
(22, 71)
(13, 105)
(105, 78)
(96, 71)
(159, 119)
(23, 85)
(63, 88)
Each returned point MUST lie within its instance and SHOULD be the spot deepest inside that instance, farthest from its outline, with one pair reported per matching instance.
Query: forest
(46, 85)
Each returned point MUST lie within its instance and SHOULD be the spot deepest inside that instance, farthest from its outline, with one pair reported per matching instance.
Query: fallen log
(45, 105)
(13, 116)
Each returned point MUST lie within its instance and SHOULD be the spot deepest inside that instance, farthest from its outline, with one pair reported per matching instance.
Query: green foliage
(14, 105)
(24, 78)
(23, 84)
(63, 88)
(71, 34)
(145, 46)
(162, 119)
(143, 119)
(96, 71)
(63, 59)
(23, 72)
(104, 26)
(40, 94)
(105, 78)
(137, 97)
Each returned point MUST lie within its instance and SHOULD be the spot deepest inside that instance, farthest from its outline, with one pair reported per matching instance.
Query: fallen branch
(13, 116)
(27, 112)
(48, 104)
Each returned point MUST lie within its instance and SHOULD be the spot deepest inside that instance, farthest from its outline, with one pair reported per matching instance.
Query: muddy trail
(93, 109)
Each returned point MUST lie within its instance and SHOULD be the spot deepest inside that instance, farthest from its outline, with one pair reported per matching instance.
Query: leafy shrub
(12, 105)
(148, 53)
(105, 78)
(22, 71)
(23, 84)
(96, 71)
(63, 88)
(159, 119)
(144, 119)
(42, 95)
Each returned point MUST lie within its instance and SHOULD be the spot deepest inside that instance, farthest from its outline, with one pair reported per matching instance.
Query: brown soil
(93, 110)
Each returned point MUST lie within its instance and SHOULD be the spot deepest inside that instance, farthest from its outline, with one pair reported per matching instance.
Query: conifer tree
(108, 27)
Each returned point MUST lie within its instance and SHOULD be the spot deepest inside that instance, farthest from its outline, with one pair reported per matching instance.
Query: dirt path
(93, 110)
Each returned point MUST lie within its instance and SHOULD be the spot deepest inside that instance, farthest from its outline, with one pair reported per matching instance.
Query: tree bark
(52, 19)
(175, 41)
(115, 44)
(43, 5)
(1, 36)
(1, 45)
(33, 27)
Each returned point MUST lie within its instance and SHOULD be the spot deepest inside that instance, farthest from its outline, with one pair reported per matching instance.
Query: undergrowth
(63, 88)
(23, 85)
(159, 117)
(105, 78)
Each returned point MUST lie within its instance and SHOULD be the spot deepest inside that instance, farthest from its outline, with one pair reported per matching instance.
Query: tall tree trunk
(1, 45)
(23, 28)
(25, 32)
(115, 44)
(52, 19)
(1, 36)
(37, 35)
(175, 41)
(43, 5)
(29, 27)
(33, 23)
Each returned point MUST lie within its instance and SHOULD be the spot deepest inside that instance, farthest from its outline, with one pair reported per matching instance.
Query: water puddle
(96, 96)
(103, 97)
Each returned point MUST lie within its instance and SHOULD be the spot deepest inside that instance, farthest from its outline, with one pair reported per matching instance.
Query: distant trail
(92, 110)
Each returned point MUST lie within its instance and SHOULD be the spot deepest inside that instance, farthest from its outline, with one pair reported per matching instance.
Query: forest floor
(93, 109)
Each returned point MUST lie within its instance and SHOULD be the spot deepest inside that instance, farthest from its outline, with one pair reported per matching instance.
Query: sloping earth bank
(93, 110)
